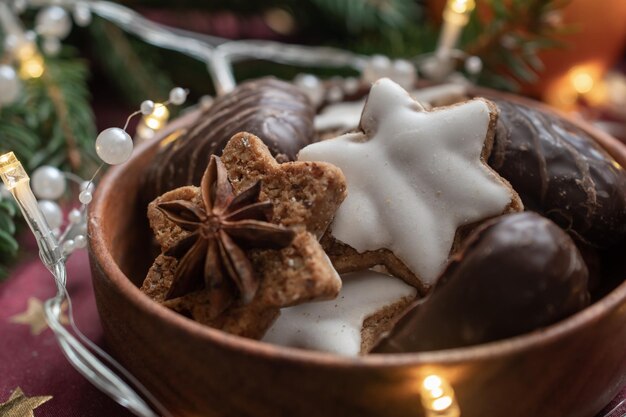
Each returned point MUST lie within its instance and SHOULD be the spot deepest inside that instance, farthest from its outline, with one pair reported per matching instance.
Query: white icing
(348, 114)
(340, 116)
(413, 177)
(335, 326)
(441, 95)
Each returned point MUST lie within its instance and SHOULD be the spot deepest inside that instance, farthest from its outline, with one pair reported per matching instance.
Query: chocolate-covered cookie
(514, 274)
(276, 111)
(561, 172)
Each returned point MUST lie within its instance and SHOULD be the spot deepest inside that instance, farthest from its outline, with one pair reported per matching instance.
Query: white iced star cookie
(350, 324)
(414, 178)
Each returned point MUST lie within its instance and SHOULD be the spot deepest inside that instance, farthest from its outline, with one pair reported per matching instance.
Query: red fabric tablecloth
(31, 360)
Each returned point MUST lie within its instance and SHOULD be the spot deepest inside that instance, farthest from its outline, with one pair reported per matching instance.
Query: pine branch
(358, 15)
(52, 123)
(511, 40)
(8, 244)
(64, 120)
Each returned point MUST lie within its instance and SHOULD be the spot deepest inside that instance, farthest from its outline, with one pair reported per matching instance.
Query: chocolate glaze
(561, 172)
(275, 111)
(514, 274)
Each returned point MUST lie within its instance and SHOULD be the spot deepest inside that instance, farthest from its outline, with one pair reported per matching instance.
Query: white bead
(51, 46)
(10, 86)
(52, 212)
(75, 216)
(87, 185)
(4, 193)
(206, 102)
(377, 67)
(351, 85)
(114, 146)
(147, 107)
(48, 183)
(19, 6)
(334, 94)
(31, 37)
(53, 22)
(403, 72)
(178, 96)
(69, 246)
(85, 197)
(311, 86)
(473, 65)
(11, 41)
(82, 14)
(80, 241)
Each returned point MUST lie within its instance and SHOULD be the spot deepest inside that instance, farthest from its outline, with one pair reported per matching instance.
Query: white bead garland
(377, 67)
(351, 85)
(147, 107)
(473, 65)
(4, 193)
(114, 146)
(80, 241)
(206, 102)
(48, 183)
(85, 197)
(19, 6)
(334, 94)
(178, 96)
(75, 216)
(10, 85)
(53, 22)
(311, 86)
(51, 46)
(87, 185)
(82, 14)
(68, 246)
(52, 212)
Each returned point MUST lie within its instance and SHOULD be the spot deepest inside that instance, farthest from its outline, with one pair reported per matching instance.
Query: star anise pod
(221, 230)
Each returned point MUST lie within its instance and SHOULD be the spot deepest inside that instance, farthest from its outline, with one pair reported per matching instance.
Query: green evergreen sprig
(510, 41)
(51, 124)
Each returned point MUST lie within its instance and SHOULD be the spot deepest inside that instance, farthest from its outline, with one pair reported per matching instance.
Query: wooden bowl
(572, 368)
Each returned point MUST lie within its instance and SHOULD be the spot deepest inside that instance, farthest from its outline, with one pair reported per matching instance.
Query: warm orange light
(158, 118)
(582, 82)
(461, 6)
(31, 63)
(437, 398)
(32, 67)
(12, 172)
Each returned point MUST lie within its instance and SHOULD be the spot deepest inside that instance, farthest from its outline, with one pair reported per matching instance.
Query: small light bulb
(159, 116)
(437, 397)
(32, 67)
(11, 171)
(462, 6)
(432, 382)
(442, 403)
(583, 82)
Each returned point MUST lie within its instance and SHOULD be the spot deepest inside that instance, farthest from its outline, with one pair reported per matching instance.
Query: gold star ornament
(35, 317)
(19, 405)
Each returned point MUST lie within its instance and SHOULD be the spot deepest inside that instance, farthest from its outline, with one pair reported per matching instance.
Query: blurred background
(568, 53)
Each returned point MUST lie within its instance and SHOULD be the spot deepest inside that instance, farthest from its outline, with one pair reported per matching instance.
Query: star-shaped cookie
(304, 197)
(351, 323)
(415, 178)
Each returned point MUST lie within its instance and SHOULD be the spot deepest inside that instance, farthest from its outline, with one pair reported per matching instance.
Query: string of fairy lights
(36, 197)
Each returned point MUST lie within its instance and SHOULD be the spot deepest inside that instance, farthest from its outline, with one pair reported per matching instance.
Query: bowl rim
(500, 348)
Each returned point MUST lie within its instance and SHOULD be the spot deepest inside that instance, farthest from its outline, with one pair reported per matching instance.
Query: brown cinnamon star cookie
(236, 250)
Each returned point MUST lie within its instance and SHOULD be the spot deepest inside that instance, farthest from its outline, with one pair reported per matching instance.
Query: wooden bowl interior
(122, 250)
